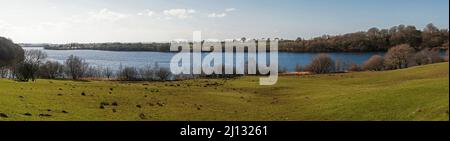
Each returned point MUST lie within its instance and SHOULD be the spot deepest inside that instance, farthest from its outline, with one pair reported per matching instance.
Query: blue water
(114, 59)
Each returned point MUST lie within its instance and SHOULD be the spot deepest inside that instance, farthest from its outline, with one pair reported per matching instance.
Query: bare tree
(29, 67)
(147, 73)
(129, 74)
(427, 56)
(397, 57)
(163, 74)
(76, 67)
(422, 57)
(93, 72)
(108, 72)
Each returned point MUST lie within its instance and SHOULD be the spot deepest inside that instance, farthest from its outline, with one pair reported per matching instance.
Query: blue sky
(65, 21)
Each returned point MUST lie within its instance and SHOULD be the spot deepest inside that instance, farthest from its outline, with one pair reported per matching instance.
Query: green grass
(418, 93)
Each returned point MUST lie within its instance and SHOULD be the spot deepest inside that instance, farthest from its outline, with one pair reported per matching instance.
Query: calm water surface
(115, 59)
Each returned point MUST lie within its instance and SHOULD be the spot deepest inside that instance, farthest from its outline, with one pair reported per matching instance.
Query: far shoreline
(283, 51)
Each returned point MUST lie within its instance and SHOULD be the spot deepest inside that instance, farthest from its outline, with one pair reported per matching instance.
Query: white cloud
(222, 14)
(95, 17)
(230, 9)
(179, 13)
(217, 15)
(147, 13)
(150, 13)
(107, 15)
(32, 32)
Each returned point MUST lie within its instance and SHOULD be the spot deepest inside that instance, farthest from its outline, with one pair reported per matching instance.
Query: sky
(86, 21)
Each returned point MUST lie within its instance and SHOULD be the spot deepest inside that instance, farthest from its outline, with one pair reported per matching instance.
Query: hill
(418, 93)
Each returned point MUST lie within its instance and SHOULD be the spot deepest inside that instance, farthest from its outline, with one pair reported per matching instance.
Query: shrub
(339, 65)
(147, 73)
(435, 56)
(93, 72)
(398, 56)
(129, 74)
(107, 72)
(321, 63)
(421, 57)
(375, 63)
(19, 72)
(299, 68)
(446, 56)
(426, 57)
(51, 70)
(355, 67)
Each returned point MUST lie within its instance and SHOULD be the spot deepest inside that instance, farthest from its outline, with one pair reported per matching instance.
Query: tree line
(397, 57)
(35, 65)
(159, 47)
(26, 65)
(372, 40)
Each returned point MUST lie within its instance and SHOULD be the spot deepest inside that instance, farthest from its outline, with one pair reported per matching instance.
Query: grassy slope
(419, 93)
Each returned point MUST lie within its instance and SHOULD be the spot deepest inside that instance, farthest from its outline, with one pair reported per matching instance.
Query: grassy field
(418, 93)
